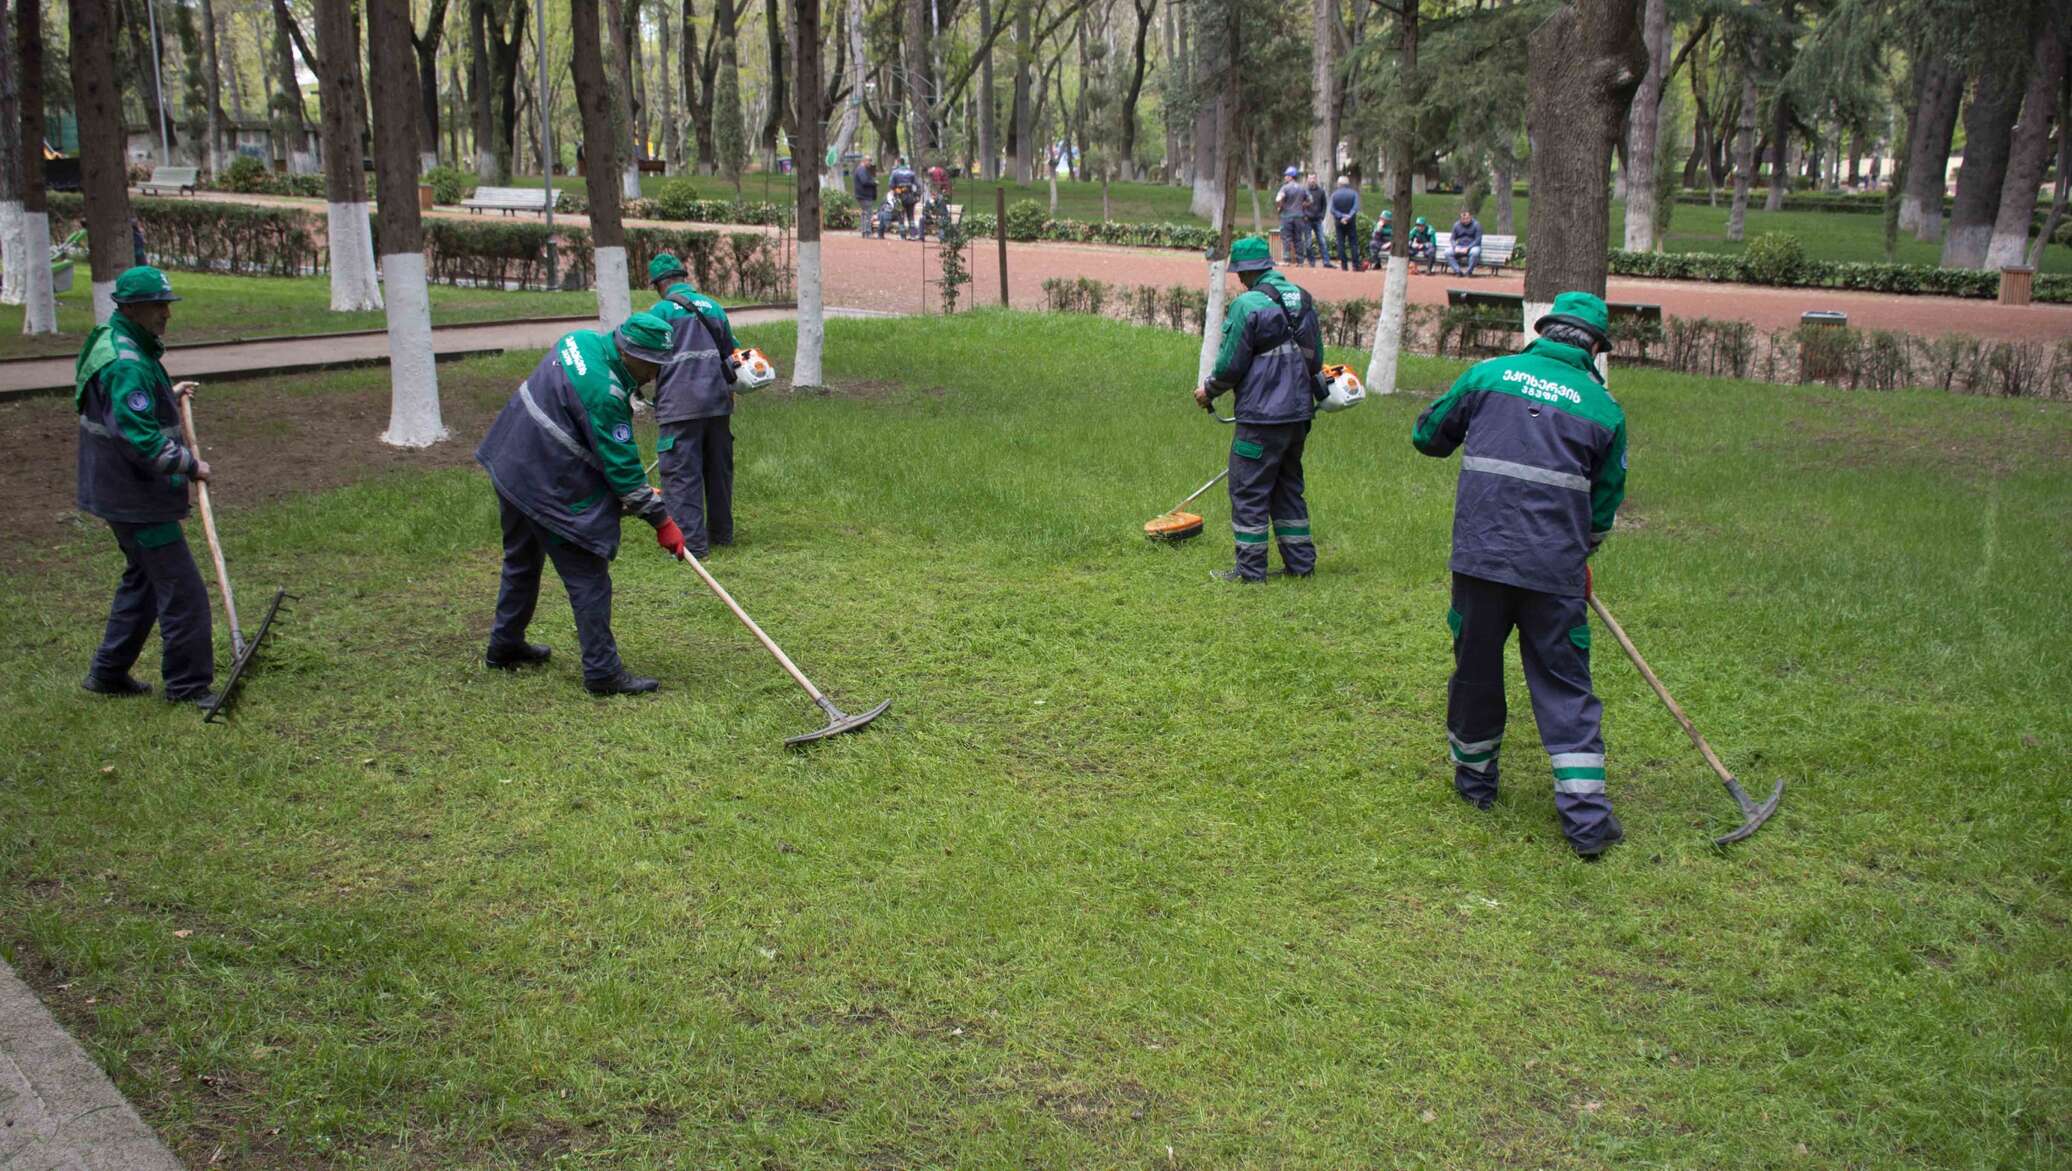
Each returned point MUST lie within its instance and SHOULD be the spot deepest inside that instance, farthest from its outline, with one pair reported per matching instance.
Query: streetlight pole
(546, 138)
(165, 145)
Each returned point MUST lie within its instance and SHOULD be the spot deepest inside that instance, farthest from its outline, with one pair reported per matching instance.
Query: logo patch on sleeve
(622, 433)
(139, 401)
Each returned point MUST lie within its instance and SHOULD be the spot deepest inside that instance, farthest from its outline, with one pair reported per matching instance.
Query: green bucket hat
(664, 266)
(644, 336)
(1423, 222)
(1250, 255)
(1584, 311)
(143, 285)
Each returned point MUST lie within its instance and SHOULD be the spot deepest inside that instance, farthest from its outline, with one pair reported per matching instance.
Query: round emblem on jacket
(622, 433)
(139, 401)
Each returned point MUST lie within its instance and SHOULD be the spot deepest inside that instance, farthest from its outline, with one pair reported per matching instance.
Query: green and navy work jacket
(1542, 470)
(133, 463)
(562, 449)
(1272, 351)
(697, 380)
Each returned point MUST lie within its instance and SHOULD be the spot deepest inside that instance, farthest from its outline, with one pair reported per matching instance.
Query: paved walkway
(58, 1111)
(256, 359)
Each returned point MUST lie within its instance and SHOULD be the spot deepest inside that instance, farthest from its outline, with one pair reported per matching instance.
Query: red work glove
(670, 538)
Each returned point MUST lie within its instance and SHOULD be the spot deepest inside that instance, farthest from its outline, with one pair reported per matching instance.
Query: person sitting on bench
(1466, 252)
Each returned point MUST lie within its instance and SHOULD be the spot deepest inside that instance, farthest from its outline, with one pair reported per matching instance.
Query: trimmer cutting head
(1173, 526)
(838, 722)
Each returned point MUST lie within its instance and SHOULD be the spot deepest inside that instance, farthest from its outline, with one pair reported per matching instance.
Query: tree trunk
(672, 127)
(212, 67)
(39, 300)
(2029, 150)
(1503, 177)
(1324, 90)
(812, 337)
(426, 50)
(103, 178)
(698, 70)
(1212, 115)
(1988, 128)
(1220, 27)
(2062, 193)
(13, 167)
(393, 66)
(988, 141)
(1644, 126)
(480, 87)
(1585, 62)
(1021, 128)
(1940, 92)
(1384, 357)
(1147, 11)
(1780, 151)
(353, 285)
(852, 112)
(914, 54)
(291, 116)
(1178, 168)
(603, 138)
(1744, 157)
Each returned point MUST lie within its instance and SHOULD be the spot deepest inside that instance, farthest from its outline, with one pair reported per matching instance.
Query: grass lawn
(1140, 870)
(232, 308)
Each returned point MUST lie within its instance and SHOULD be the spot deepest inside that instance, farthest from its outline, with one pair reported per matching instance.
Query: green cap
(1585, 311)
(644, 336)
(664, 266)
(143, 285)
(1422, 223)
(1251, 255)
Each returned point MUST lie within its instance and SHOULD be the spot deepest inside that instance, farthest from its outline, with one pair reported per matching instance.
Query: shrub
(1774, 258)
(217, 237)
(449, 185)
(838, 210)
(245, 175)
(1026, 220)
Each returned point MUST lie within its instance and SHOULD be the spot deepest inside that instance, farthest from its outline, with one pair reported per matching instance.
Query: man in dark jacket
(1271, 351)
(133, 473)
(1465, 246)
(866, 179)
(694, 405)
(562, 458)
(1345, 224)
(1291, 202)
(1314, 249)
(906, 188)
(1543, 469)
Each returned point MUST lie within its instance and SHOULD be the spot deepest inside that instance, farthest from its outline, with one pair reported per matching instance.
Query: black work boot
(623, 683)
(121, 685)
(205, 700)
(525, 654)
(1613, 834)
(1233, 576)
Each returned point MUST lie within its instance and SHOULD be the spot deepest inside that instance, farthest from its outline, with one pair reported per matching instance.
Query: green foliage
(1026, 220)
(449, 185)
(1774, 258)
(730, 138)
(212, 237)
(956, 270)
(248, 176)
(1878, 278)
(838, 209)
(678, 199)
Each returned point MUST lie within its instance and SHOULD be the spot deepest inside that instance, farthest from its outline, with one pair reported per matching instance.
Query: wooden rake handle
(1661, 692)
(208, 526)
(769, 644)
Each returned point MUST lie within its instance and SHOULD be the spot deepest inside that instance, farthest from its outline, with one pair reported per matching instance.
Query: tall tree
(672, 129)
(1222, 23)
(805, 149)
(414, 418)
(40, 309)
(778, 118)
(2061, 193)
(1939, 91)
(2001, 78)
(1147, 13)
(425, 46)
(1780, 107)
(729, 133)
(1211, 73)
(852, 109)
(218, 145)
(194, 95)
(988, 140)
(594, 59)
(1744, 156)
(13, 163)
(2030, 147)
(1327, 32)
(1643, 133)
(496, 30)
(1587, 59)
(1386, 352)
(103, 177)
(624, 16)
(1021, 126)
(290, 116)
(340, 97)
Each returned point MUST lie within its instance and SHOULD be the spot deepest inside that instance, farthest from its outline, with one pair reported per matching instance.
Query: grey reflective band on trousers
(1504, 467)
(552, 428)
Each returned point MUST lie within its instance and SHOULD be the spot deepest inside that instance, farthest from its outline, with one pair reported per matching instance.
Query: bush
(449, 185)
(245, 175)
(202, 236)
(1774, 258)
(838, 210)
(1026, 220)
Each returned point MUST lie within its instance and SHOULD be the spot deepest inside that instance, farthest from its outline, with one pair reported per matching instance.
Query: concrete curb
(58, 1111)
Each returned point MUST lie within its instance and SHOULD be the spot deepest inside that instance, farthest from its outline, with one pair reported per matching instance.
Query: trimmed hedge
(248, 176)
(203, 236)
(1920, 279)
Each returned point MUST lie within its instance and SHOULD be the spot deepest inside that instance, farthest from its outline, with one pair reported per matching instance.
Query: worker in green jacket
(694, 407)
(133, 472)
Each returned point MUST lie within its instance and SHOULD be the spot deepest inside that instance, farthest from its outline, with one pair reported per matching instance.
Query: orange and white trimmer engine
(1342, 389)
(752, 371)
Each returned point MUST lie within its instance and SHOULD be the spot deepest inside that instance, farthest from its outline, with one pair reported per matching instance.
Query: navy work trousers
(160, 585)
(586, 576)
(1554, 644)
(1266, 495)
(698, 481)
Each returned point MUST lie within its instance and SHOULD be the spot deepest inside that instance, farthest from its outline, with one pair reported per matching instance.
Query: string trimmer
(1176, 524)
(1752, 815)
(244, 651)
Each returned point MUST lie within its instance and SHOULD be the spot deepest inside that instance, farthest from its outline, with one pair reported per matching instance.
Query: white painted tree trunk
(614, 299)
(426, 160)
(353, 283)
(812, 319)
(104, 301)
(1534, 310)
(1388, 331)
(14, 273)
(414, 419)
(629, 180)
(1212, 326)
(485, 164)
(39, 300)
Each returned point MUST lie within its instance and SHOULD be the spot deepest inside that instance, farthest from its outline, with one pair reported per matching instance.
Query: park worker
(1314, 204)
(1543, 469)
(562, 457)
(1271, 352)
(133, 474)
(1292, 204)
(1423, 244)
(866, 180)
(1466, 252)
(1384, 236)
(906, 188)
(1345, 225)
(694, 402)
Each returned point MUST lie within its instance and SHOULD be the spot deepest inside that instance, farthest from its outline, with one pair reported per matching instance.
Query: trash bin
(424, 197)
(2016, 282)
(1823, 345)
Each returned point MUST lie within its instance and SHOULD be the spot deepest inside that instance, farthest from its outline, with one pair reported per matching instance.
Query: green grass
(229, 308)
(1140, 871)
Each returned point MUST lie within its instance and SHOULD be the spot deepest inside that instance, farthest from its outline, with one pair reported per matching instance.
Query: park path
(331, 351)
(888, 276)
(58, 1111)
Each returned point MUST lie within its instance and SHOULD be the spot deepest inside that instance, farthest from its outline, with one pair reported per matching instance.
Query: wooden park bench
(654, 166)
(173, 179)
(508, 200)
(1505, 313)
(1496, 253)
